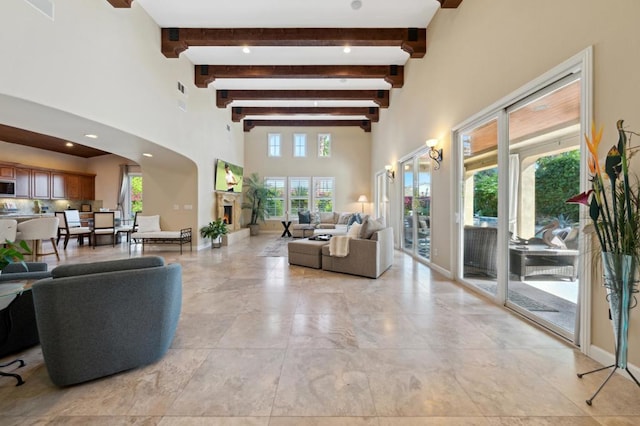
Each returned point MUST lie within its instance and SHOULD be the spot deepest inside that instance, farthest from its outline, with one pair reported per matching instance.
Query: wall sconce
(363, 199)
(435, 154)
(391, 174)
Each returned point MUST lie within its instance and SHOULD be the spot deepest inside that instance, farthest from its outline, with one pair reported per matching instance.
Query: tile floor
(264, 343)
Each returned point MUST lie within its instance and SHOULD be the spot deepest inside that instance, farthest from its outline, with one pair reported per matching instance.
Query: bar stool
(8, 229)
(38, 230)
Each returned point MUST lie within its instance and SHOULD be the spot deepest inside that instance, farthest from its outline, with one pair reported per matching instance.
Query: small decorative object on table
(322, 237)
(615, 217)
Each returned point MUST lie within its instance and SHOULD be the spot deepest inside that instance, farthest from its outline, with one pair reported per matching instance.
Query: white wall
(104, 66)
(349, 162)
(486, 49)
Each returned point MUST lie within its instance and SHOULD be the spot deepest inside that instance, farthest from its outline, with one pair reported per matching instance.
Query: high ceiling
(284, 61)
(297, 72)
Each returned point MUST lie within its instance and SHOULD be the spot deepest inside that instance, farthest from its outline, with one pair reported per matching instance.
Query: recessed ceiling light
(69, 144)
(146, 154)
(91, 136)
(346, 49)
(246, 49)
(315, 103)
(356, 4)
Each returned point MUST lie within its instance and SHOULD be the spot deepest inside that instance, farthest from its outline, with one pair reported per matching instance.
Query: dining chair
(70, 226)
(39, 230)
(104, 224)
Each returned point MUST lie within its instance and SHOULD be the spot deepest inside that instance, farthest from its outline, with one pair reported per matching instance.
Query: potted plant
(214, 230)
(10, 253)
(614, 209)
(256, 196)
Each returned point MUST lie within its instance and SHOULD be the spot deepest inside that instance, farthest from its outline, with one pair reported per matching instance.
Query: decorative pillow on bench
(148, 223)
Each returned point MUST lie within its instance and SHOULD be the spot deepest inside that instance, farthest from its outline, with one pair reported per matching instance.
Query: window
(324, 145)
(134, 194)
(299, 195)
(323, 195)
(276, 199)
(274, 145)
(299, 145)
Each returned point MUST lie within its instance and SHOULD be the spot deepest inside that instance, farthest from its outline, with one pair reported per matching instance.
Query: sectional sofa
(334, 223)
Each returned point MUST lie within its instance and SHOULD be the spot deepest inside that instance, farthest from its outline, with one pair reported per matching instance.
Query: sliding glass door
(544, 171)
(480, 205)
(416, 184)
(518, 238)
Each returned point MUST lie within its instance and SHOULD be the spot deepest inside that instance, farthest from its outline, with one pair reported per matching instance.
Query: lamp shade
(362, 199)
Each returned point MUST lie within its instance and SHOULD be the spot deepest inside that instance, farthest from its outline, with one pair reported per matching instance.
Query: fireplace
(229, 209)
(228, 215)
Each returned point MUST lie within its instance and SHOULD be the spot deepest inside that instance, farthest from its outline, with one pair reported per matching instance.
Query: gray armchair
(98, 319)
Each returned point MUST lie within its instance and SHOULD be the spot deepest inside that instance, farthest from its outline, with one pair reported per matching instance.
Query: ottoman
(306, 253)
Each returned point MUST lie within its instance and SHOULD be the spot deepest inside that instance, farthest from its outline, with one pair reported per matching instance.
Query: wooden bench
(147, 230)
(163, 237)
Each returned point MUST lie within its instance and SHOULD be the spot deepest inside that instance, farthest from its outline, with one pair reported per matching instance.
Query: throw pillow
(369, 227)
(326, 217)
(354, 230)
(148, 223)
(304, 217)
(353, 219)
(344, 218)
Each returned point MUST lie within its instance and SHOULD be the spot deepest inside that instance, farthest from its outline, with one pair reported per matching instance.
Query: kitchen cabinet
(72, 186)
(7, 172)
(80, 187)
(23, 183)
(58, 186)
(47, 184)
(87, 187)
(40, 184)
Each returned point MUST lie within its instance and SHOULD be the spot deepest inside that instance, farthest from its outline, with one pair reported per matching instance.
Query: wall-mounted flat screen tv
(228, 176)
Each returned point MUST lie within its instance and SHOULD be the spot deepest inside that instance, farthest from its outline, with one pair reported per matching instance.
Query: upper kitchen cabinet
(80, 187)
(87, 187)
(58, 186)
(7, 172)
(44, 184)
(41, 184)
(23, 182)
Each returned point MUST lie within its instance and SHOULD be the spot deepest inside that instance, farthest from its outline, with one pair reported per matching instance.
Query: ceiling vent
(181, 88)
(44, 6)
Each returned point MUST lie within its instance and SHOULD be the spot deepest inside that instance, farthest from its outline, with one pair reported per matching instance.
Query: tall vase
(619, 279)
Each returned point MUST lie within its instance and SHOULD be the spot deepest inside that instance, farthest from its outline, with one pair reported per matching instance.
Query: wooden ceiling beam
(225, 97)
(363, 124)
(372, 113)
(392, 74)
(177, 40)
(121, 3)
(449, 4)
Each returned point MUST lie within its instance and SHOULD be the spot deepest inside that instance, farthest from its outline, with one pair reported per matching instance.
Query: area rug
(277, 248)
(520, 299)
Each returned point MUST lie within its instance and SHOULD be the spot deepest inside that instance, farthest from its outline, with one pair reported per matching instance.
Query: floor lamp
(363, 199)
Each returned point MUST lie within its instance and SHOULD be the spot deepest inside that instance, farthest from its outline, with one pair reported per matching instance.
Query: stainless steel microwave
(7, 188)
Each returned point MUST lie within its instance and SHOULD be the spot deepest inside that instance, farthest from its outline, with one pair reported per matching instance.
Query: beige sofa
(367, 257)
(334, 223)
